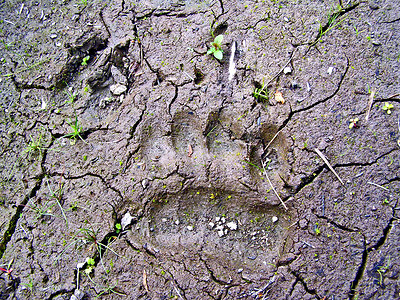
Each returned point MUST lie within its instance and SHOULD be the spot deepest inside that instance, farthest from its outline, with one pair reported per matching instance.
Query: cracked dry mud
(181, 150)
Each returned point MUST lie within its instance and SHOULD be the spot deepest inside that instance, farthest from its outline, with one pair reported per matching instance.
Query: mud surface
(135, 166)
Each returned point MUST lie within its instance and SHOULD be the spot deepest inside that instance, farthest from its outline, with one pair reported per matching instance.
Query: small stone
(177, 222)
(78, 294)
(223, 220)
(145, 183)
(330, 70)
(217, 219)
(376, 43)
(287, 70)
(220, 233)
(373, 208)
(190, 228)
(232, 225)
(118, 76)
(80, 265)
(219, 227)
(126, 220)
(118, 89)
(58, 44)
(274, 219)
(286, 19)
(53, 36)
(164, 220)
(240, 270)
(211, 224)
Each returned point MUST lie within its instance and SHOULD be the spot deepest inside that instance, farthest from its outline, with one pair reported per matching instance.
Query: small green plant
(84, 2)
(35, 146)
(261, 94)
(57, 196)
(90, 265)
(316, 229)
(216, 48)
(40, 209)
(353, 123)
(71, 95)
(76, 131)
(105, 289)
(332, 23)
(88, 237)
(85, 60)
(118, 228)
(29, 285)
(387, 107)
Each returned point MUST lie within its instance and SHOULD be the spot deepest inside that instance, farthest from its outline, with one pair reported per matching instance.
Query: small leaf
(218, 39)
(210, 51)
(279, 97)
(351, 125)
(218, 54)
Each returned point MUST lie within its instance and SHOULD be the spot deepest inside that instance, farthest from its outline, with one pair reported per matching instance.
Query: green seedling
(261, 94)
(71, 95)
(216, 48)
(332, 23)
(316, 229)
(353, 123)
(90, 265)
(34, 146)
(387, 107)
(105, 289)
(88, 237)
(76, 131)
(41, 210)
(85, 60)
(57, 196)
(118, 228)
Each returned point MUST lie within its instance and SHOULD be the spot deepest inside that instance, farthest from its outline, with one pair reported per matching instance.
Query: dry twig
(272, 187)
(328, 164)
(370, 102)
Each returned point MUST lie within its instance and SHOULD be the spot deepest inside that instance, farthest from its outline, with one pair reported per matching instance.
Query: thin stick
(272, 187)
(370, 102)
(377, 185)
(328, 164)
(283, 68)
(270, 142)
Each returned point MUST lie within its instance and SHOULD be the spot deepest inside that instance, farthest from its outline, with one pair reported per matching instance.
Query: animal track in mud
(215, 223)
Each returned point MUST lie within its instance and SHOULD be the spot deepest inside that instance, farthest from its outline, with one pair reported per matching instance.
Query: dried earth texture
(136, 166)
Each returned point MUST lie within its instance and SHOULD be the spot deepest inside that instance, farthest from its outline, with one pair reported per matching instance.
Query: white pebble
(190, 228)
(330, 70)
(220, 233)
(232, 225)
(287, 70)
(274, 219)
(118, 89)
(211, 224)
(177, 222)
